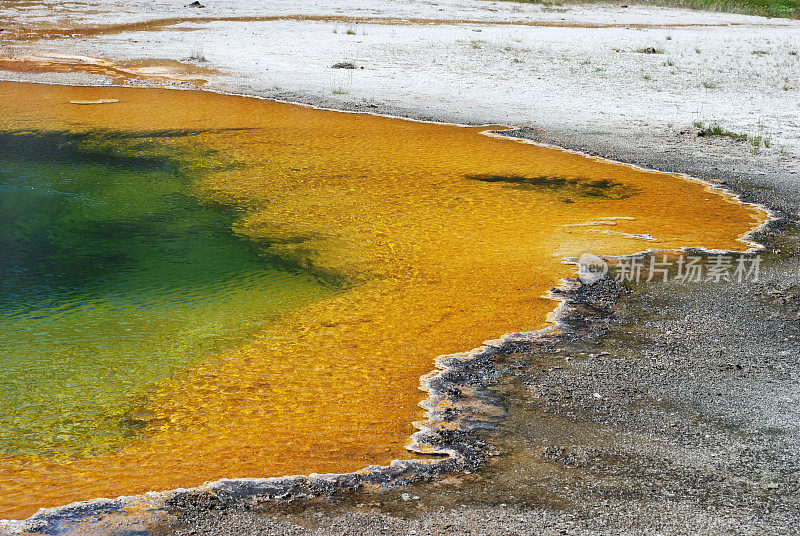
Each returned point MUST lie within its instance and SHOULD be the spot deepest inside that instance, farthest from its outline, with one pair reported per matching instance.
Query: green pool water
(113, 277)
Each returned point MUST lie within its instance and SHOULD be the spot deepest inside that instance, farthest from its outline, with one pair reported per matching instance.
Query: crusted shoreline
(459, 409)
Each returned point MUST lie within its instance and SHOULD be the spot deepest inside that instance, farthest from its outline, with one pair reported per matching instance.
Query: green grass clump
(756, 141)
(716, 130)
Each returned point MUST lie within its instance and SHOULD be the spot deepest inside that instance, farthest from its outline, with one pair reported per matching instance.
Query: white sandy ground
(738, 71)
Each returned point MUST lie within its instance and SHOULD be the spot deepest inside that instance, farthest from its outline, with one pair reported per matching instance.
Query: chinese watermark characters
(684, 268)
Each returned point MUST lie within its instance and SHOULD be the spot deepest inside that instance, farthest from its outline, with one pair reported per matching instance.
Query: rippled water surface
(198, 286)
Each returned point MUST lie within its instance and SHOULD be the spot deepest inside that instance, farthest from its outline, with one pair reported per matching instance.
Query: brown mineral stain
(445, 238)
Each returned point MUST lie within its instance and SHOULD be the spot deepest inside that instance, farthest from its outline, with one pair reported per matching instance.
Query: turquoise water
(113, 277)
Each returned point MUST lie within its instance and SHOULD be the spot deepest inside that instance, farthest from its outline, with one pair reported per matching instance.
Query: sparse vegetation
(767, 8)
(197, 55)
(550, 8)
(343, 65)
(708, 84)
(716, 130)
(669, 63)
(197, 58)
(650, 50)
(341, 85)
(515, 49)
(756, 141)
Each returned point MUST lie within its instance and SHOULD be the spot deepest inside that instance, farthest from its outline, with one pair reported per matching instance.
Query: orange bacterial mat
(443, 237)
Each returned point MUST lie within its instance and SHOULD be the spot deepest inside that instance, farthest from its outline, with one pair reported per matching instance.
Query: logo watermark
(684, 268)
(591, 268)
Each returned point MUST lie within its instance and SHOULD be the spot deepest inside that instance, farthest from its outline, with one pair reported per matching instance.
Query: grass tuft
(197, 55)
(716, 130)
(756, 141)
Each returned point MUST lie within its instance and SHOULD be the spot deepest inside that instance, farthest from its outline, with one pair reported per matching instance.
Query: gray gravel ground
(667, 408)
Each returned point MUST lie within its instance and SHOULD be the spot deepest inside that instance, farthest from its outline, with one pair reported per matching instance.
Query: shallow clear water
(113, 276)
